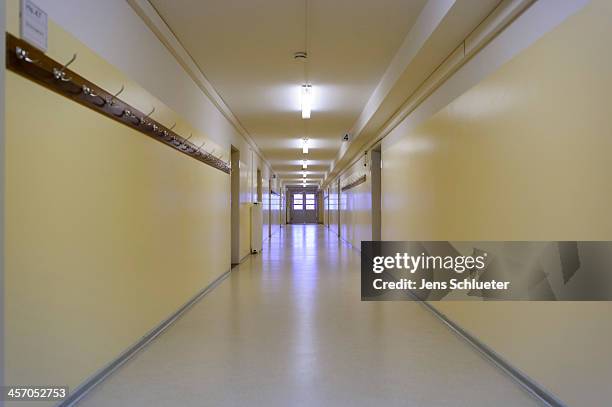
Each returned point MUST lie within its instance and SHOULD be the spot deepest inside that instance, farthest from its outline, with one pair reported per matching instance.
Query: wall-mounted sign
(34, 27)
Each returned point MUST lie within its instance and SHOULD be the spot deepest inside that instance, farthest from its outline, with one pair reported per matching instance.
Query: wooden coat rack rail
(30, 63)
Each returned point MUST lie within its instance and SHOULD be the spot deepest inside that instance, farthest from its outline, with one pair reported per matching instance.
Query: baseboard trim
(528, 384)
(129, 353)
(536, 390)
(350, 244)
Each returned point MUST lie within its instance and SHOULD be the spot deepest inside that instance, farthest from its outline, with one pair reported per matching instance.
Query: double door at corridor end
(304, 206)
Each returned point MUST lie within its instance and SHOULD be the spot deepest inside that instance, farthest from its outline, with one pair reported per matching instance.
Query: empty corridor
(287, 328)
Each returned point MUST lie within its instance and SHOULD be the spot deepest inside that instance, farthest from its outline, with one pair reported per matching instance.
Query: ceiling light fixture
(306, 88)
(306, 101)
(304, 174)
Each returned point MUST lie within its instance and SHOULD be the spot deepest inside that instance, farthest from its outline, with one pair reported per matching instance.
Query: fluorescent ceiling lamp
(304, 174)
(304, 164)
(305, 146)
(306, 101)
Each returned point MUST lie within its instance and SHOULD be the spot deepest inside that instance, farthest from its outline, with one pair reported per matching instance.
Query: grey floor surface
(287, 328)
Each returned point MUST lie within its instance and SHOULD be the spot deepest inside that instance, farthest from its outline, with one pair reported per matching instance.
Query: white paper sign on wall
(34, 27)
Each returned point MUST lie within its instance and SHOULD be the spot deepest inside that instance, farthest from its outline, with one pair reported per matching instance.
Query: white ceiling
(245, 49)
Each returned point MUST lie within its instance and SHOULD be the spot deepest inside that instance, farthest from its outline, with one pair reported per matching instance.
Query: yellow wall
(275, 208)
(524, 155)
(270, 208)
(334, 207)
(326, 206)
(141, 56)
(266, 209)
(255, 163)
(108, 232)
(356, 207)
(247, 196)
(320, 207)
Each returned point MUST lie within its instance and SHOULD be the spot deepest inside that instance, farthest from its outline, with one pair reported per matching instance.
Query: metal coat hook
(144, 119)
(60, 74)
(166, 133)
(111, 100)
(128, 113)
(89, 92)
(184, 142)
(199, 148)
(150, 113)
(24, 55)
(177, 142)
